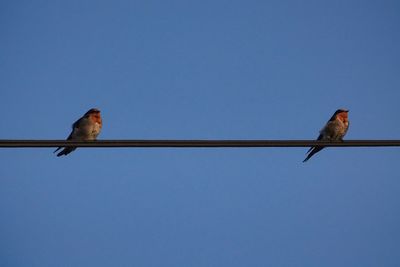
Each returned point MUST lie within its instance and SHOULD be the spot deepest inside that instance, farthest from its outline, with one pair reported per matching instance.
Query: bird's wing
(76, 124)
(318, 139)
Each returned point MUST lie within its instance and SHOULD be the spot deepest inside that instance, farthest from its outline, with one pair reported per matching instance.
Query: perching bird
(334, 130)
(86, 128)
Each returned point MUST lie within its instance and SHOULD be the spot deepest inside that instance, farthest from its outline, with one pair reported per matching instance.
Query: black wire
(197, 143)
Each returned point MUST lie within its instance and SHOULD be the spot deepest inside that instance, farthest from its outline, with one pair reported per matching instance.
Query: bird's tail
(312, 151)
(65, 151)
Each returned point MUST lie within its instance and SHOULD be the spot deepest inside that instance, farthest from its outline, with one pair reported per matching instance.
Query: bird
(334, 130)
(87, 128)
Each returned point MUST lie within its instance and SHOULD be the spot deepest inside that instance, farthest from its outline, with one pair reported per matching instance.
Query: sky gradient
(199, 70)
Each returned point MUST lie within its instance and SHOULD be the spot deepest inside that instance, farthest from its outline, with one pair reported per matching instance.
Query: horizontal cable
(197, 143)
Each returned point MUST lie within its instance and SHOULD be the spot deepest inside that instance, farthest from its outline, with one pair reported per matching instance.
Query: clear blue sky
(200, 70)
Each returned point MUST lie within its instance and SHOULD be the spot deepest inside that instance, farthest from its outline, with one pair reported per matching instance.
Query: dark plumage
(334, 130)
(86, 128)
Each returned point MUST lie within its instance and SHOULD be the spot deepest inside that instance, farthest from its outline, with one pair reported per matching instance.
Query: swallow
(334, 130)
(87, 128)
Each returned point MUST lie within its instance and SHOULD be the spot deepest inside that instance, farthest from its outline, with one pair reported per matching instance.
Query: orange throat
(343, 117)
(96, 118)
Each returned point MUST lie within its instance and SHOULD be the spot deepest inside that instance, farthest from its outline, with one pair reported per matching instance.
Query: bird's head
(94, 113)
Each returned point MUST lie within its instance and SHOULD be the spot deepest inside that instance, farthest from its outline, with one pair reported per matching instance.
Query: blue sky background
(199, 70)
